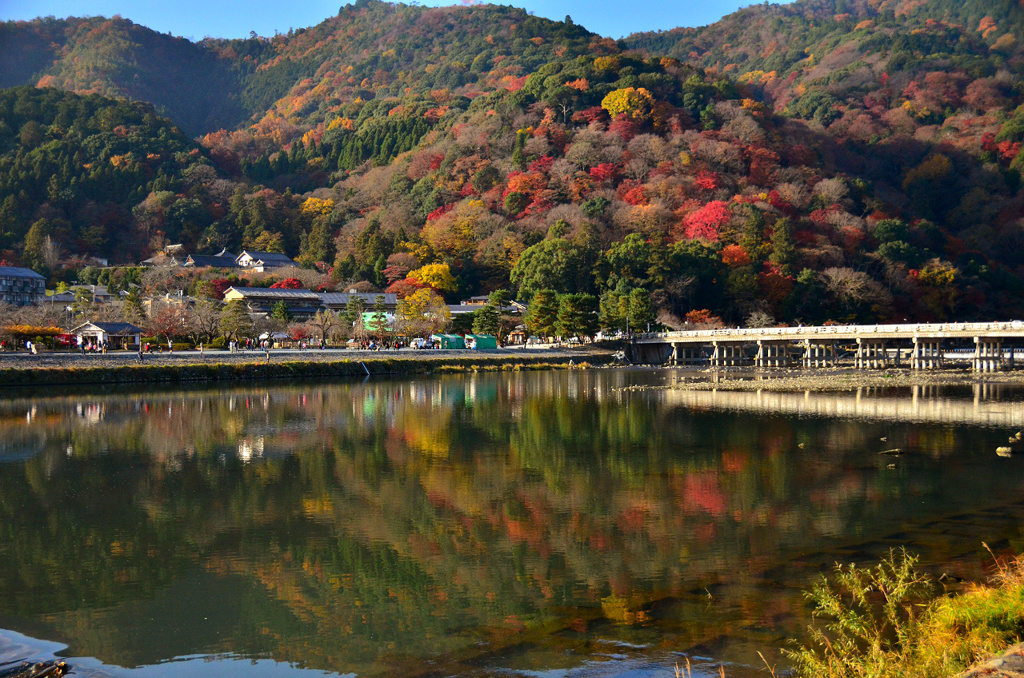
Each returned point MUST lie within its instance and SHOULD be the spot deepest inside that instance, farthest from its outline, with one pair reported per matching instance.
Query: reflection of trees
(384, 521)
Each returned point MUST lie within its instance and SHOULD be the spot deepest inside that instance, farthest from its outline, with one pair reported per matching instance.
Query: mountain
(369, 49)
(855, 160)
(197, 86)
(73, 167)
(818, 59)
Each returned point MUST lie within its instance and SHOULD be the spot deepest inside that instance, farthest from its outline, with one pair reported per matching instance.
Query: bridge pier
(871, 354)
(727, 355)
(771, 354)
(927, 354)
(818, 354)
(988, 355)
(686, 354)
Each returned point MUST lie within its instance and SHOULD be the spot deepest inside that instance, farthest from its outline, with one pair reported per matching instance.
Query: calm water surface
(534, 524)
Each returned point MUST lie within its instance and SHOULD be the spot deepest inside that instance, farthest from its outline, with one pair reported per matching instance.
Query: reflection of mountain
(373, 527)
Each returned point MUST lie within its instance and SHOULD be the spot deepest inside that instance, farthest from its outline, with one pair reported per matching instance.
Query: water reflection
(992, 405)
(471, 524)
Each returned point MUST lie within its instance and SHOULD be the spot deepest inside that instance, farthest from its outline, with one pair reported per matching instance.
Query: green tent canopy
(449, 341)
(483, 342)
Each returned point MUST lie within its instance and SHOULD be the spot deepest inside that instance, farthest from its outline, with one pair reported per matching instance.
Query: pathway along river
(536, 524)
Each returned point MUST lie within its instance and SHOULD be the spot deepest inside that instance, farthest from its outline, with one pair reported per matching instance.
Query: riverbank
(825, 380)
(892, 620)
(65, 369)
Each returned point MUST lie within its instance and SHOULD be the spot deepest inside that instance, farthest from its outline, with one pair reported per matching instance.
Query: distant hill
(197, 86)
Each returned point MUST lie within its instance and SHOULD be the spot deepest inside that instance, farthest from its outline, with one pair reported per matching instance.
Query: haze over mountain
(829, 159)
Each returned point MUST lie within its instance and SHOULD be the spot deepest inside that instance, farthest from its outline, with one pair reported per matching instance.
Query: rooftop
(266, 257)
(214, 260)
(369, 298)
(16, 272)
(268, 293)
(111, 328)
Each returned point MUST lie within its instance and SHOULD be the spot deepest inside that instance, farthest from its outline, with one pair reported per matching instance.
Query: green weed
(890, 621)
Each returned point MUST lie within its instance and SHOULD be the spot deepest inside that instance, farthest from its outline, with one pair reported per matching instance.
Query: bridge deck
(995, 330)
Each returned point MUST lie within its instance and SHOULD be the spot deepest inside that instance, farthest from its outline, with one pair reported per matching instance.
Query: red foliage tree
(287, 284)
(706, 180)
(735, 255)
(632, 193)
(440, 212)
(405, 287)
(624, 127)
(589, 115)
(606, 171)
(763, 165)
(219, 286)
(541, 164)
(703, 317)
(775, 286)
(706, 222)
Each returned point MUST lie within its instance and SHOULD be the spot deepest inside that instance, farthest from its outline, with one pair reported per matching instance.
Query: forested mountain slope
(821, 59)
(825, 160)
(369, 49)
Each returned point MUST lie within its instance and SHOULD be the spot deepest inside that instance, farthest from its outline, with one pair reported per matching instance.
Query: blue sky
(236, 18)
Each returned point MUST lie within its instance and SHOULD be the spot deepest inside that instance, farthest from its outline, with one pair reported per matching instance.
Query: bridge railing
(826, 330)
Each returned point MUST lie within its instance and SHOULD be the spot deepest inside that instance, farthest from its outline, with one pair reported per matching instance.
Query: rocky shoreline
(1009, 664)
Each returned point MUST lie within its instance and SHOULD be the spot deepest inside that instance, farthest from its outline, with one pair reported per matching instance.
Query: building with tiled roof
(261, 261)
(21, 286)
(222, 259)
(261, 300)
(338, 301)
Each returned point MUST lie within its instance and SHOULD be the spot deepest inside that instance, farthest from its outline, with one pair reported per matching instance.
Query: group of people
(374, 345)
(148, 347)
(93, 347)
(234, 346)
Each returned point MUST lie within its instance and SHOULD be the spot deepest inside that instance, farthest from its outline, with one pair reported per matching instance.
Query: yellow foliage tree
(634, 103)
(438, 276)
(939, 293)
(423, 312)
(606, 63)
(315, 207)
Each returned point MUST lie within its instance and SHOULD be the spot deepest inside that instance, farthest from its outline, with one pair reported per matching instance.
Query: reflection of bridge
(924, 405)
(921, 346)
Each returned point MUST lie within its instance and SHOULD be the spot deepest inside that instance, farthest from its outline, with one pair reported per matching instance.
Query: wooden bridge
(988, 347)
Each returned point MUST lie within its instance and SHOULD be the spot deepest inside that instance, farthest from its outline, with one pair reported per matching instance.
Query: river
(543, 524)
